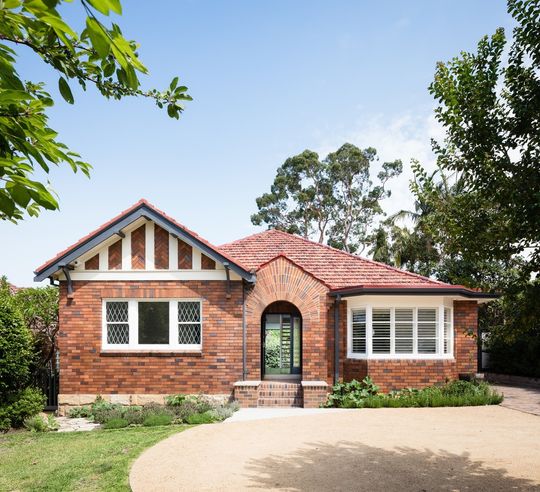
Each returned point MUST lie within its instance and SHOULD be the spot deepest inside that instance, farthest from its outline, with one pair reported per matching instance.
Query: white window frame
(392, 304)
(133, 321)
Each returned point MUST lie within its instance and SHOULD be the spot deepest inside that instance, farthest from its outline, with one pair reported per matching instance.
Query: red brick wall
(85, 370)
(115, 255)
(161, 248)
(465, 325)
(398, 374)
(282, 280)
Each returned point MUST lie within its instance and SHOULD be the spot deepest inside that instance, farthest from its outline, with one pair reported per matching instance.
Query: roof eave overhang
(418, 291)
(116, 227)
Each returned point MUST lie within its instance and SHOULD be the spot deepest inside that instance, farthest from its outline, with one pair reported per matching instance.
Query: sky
(269, 79)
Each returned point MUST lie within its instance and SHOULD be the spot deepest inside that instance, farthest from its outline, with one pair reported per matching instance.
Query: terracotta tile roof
(141, 202)
(336, 268)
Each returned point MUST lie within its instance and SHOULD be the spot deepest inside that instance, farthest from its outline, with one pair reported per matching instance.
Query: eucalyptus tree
(332, 200)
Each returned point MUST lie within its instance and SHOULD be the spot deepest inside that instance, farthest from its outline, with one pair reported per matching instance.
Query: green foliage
(452, 394)
(221, 413)
(21, 405)
(41, 423)
(115, 423)
(157, 419)
(332, 199)
(488, 105)
(514, 331)
(39, 307)
(349, 394)
(16, 346)
(201, 418)
(80, 412)
(98, 56)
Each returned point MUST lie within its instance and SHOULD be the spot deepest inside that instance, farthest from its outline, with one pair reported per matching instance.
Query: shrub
(224, 411)
(201, 418)
(351, 394)
(16, 348)
(41, 423)
(157, 419)
(115, 423)
(80, 412)
(183, 406)
(22, 405)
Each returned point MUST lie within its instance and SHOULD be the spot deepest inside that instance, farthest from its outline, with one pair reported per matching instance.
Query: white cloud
(406, 136)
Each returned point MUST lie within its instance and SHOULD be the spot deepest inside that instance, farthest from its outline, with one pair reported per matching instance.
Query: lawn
(96, 460)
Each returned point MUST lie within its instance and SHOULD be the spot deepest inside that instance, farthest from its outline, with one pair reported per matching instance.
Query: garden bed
(365, 394)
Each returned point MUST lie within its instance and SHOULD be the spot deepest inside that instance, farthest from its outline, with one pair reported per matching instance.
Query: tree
(16, 346)
(39, 308)
(489, 103)
(98, 56)
(332, 199)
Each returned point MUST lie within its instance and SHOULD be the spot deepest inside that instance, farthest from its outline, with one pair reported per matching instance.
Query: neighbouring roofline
(115, 226)
(405, 291)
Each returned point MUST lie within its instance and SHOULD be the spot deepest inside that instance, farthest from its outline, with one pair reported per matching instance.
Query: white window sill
(401, 357)
(147, 350)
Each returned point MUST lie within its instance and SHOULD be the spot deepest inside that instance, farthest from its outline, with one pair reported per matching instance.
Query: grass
(96, 460)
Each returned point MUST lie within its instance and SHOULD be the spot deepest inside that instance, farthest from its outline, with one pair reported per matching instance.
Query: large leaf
(100, 41)
(65, 90)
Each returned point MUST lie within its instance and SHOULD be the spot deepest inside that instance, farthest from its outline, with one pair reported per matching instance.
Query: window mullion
(369, 330)
(133, 320)
(392, 331)
(415, 331)
(173, 322)
(440, 330)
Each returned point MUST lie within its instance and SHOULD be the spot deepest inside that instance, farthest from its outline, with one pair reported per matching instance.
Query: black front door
(282, 344)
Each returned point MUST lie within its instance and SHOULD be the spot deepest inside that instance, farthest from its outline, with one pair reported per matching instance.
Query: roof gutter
(407, 291)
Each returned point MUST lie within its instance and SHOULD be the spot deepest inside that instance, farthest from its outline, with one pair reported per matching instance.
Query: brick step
(280, 402)
(280, 394)
(280, 386)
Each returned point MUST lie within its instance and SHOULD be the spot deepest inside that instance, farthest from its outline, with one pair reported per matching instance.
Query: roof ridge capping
(42, 271)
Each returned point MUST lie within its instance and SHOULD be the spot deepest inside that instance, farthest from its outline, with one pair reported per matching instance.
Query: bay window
(400, 332)
(148, 324)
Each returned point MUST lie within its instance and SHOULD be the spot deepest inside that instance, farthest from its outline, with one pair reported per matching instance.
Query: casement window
(400, 332)
(152, 324)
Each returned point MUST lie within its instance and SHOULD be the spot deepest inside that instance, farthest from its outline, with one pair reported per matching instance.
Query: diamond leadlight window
(117, 323)
(189, 322)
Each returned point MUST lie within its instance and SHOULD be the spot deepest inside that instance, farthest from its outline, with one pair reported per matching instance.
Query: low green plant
(41, 423)
(223, 412)
(158, 419)
(201, 418)
(115, 423)
(36, 423)
(350, 394)
(80, 412)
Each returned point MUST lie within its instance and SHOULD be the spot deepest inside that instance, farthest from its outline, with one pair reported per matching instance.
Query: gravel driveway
(417, 449)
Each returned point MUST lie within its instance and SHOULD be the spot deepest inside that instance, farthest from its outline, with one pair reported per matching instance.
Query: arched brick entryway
(282, 280)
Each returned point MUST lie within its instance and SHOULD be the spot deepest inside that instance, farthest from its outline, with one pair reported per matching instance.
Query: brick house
(149, 308)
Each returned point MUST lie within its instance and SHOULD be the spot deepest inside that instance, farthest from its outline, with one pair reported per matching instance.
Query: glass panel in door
(282, 344)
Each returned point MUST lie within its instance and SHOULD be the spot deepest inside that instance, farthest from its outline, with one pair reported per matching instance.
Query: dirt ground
(417, 449)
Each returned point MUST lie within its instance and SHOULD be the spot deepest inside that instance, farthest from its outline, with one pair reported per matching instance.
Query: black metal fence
(48, 379)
